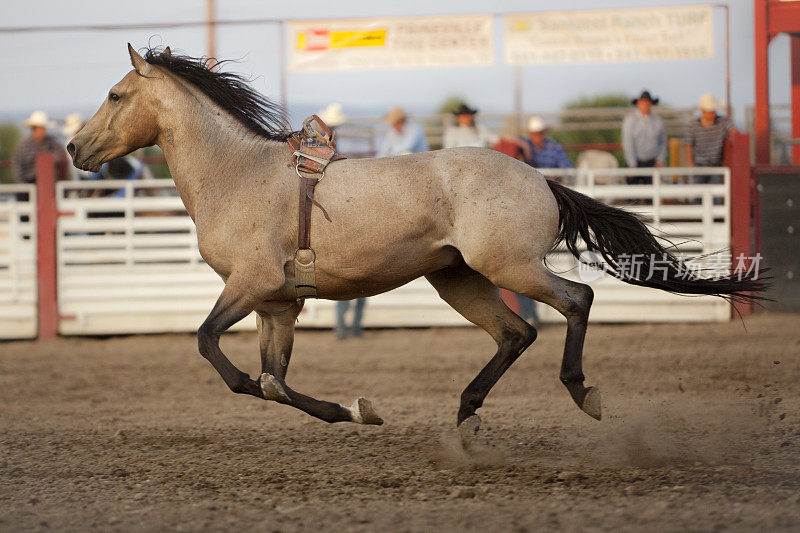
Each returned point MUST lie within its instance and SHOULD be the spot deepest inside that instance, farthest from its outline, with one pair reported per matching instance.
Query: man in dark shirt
(23, 162)
(705, 138)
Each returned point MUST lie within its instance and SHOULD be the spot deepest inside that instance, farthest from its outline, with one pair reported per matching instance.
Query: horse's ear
(167, 52)
(142, 67)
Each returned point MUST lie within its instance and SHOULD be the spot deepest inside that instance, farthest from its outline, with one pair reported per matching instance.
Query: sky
(64, 72)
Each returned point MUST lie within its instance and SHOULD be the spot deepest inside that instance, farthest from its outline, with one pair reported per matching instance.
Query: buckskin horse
(468, 219)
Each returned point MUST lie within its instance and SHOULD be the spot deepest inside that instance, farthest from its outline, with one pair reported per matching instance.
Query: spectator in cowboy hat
(23, 162)
(466, 132)
(333, 115)
(545, 152)
(705, 138)
(72, 124)
(644, 138)
(403, 137)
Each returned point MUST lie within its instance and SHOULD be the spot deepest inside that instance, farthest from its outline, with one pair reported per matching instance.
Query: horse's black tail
(622, 240)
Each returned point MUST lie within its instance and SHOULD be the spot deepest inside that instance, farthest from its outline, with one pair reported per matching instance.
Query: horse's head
(125, 122)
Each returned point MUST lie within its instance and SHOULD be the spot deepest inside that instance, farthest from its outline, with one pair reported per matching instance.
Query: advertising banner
(605, 36)
(391, 43)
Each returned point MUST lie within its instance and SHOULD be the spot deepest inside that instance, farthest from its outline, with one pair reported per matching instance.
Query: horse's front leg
(276, 338)
(233, 304)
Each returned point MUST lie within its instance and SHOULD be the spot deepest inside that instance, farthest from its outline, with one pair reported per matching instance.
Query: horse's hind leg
(573, 300)
(276, 338)
(276, 349)
(474, 296)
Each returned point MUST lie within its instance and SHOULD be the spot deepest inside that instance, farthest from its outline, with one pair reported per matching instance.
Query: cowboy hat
(645, 94)
(72, 124)
(709, 103)
(38, 118)
(395, 115)
(464, 109)
(536, 124)
(333, 115)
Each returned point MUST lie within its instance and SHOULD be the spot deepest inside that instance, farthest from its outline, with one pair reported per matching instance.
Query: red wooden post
(761, 45)
(741, 203)
(511, 300)
(46, 219)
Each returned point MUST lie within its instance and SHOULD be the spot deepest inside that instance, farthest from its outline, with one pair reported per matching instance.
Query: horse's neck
(208, 152)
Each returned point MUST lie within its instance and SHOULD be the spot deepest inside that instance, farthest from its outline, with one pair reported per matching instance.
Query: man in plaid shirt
(23, 162)
(545, 152)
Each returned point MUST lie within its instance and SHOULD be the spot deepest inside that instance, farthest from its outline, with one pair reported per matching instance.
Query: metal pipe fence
(130, 263)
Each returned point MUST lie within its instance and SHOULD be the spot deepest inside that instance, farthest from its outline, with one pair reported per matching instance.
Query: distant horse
(468, 219)
(599, 160)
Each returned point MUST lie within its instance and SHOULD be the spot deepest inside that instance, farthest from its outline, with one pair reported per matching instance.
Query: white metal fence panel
(130, 263)
(694, 216)
(17, 261)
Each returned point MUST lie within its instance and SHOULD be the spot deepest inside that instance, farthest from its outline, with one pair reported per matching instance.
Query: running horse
(470, 220)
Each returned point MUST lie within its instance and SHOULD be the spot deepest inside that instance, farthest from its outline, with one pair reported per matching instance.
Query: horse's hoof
(272, 389)
(362, 412)
(468, 429)
(592, 404)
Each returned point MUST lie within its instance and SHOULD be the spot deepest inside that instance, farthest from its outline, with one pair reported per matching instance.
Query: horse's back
(484, 199)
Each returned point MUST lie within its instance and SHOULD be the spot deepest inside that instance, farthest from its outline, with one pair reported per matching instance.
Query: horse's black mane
(230, 91)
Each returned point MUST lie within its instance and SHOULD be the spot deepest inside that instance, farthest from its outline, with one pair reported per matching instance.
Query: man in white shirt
(466, 132)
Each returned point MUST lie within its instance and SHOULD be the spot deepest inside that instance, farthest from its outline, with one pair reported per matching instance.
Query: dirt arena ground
(701, 432)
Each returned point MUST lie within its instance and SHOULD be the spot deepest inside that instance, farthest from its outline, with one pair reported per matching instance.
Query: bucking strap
(313, 148)
(307, 186)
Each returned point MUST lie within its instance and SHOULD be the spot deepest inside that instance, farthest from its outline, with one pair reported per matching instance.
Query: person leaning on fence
(644, 138)
(403, 137)
(545, 152)
(467, 132)
(23, 162)
(72, 125)
(333, 115)
(122, 168)
(705, 138)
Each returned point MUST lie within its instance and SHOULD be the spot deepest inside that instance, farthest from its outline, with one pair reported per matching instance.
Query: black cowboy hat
(464, 109)
(645, 94)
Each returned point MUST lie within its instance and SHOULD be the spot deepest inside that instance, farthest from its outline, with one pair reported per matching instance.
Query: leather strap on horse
(313, 148)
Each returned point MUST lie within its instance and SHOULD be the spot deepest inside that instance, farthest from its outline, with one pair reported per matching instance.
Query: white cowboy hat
(38, 118)
(536, 124)
(72, 124)
(332, 115)
(709, 103)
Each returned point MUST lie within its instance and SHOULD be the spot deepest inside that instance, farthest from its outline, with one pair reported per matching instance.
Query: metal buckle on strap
(319, 160)
(310, 132)
(297, 169)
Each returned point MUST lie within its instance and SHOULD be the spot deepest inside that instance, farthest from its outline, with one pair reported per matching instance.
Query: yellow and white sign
(393, 43)
(606, 36)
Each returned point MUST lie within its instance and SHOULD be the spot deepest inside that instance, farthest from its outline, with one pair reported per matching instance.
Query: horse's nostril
(71, 149)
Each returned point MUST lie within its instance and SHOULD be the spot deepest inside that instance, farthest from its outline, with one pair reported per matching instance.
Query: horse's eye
(113, 97)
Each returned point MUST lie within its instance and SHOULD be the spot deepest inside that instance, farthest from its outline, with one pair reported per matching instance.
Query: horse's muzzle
(81, 160)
